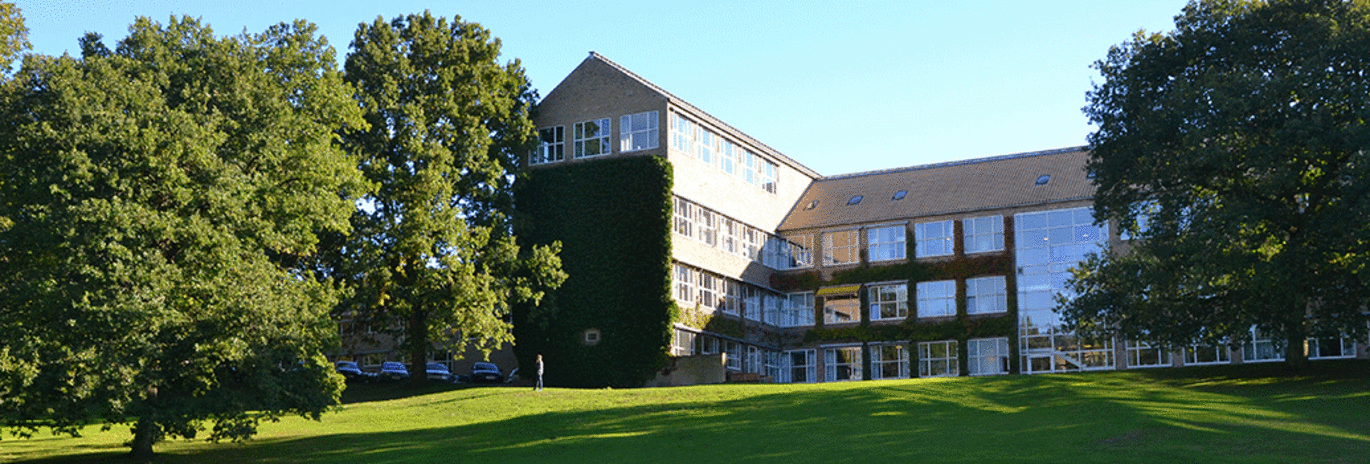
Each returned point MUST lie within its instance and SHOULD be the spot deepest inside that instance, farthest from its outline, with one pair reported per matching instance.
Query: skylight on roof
(854, 200)
(1044, 179)
(899, 195)
(811, 205)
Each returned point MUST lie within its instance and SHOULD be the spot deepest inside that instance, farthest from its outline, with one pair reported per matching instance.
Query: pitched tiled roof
(945, 188)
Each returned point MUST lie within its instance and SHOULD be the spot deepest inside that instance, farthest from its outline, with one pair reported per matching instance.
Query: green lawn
(1220, 414)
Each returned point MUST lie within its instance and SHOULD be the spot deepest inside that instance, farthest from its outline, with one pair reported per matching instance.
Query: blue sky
(839, 86)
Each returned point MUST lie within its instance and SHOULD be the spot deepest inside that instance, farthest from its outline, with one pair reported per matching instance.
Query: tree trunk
(1296, 353)
(145, 433)
(418, 348)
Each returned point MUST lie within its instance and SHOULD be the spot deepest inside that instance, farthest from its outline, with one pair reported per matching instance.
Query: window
(551, 145)
(934, 239)
(682, 134)
(706, 146)
(885, 243)
(592, 138)
(937, 359)
(983, 234)
(802, 366)
(798, 310)
(1047, 244)
(986, 295)
(1195, 355)
(710, 287)
(706, 226)
(684, 217)
(1143, 354)
(937, 298)
(770, 175)
(854, 200)
(899, 195)
(1145, 211)
(811, 205)
(730, 232)
(840, 247)
(638, 131)
(732, 297)
(889, 301)
(843, 363)
(1331, 347)
(751, 167)
(1262, 348)
(1045, 349)
(684, 283)
(841, 309)
(987, 356)
(751, 302)
(800, 251)
(889, 362)
(730, 155)
(1043, 179)
(734, 354)
(683, 344)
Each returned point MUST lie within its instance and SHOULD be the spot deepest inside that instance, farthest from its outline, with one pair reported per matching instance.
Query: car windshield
(393, 365)
(436, 367)
(346, 364)
(485, 367)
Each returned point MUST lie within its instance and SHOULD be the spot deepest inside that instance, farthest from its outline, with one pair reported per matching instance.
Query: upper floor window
(937, 298)
(934, 239)
(986, 295)
(638, 131)
(885, 243)
(682, 134)
(889, 301)
(770, 173)
(706, 146)
(840, 247)
(800, 251)
(983, 234)
(592, 138)
(551, 145)
(730, 155)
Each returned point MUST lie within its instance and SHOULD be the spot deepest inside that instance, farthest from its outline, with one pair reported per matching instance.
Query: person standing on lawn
(539, 385)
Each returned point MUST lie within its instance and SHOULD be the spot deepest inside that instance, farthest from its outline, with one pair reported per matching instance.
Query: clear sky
(841, 86)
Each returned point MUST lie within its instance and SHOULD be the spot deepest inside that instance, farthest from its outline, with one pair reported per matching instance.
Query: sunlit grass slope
(1220, 414)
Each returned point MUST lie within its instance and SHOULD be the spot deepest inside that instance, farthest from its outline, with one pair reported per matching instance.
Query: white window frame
(706, 146)
(550, 151)
(600, 137)
(770, 175)
(987, 356)
(900, 363)
(892, 298)
(985, 229)
(682, 134)
(886, 243)
(934, 242)
(1197, 355)
(684, 277)
(945, 365)
(684, 217)
(837, 357)
(830, 315)
(936, 298)
(799, 309)
(993, 289)
(800, 251)
(849, 250)
(639, 131)
(1261, 348)
(1142, 354)
(809, 367)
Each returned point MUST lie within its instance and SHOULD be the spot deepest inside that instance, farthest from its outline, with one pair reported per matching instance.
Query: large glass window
(592, 138)
(885, 243)
(1048, 244)
(802, 367)
(800, 251)
(841, 309)
(1207, 354)
(937, 359)
(934, 239)
(937, 298)
(983, 234)
(987, 356)
(638, 131)
(1143, 354)
(843, 363)
(890, 301)
(551, 145)
(798, 310)
(840, 247)
(986, 295)
(889, 361)
(1045, 349)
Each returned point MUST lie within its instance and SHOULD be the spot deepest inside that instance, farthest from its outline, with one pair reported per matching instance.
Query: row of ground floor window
(1040, 350)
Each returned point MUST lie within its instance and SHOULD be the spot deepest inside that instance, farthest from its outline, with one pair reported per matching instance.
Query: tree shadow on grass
(1135, 416)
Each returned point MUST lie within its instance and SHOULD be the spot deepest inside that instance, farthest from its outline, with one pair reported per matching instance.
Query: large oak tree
(433, 259)
(154, 200)
(1235, 149)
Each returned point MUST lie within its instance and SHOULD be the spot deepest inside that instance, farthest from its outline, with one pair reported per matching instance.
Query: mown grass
(1240, 414)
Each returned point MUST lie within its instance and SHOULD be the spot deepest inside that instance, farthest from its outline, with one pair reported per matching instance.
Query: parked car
(486, 372)
(394, 371)
(439, 371)
(352, 372)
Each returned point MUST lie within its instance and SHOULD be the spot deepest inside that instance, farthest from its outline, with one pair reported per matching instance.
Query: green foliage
(1241, 139)
(13, 35)
(156, 201)
(433, 257)
(613, 219)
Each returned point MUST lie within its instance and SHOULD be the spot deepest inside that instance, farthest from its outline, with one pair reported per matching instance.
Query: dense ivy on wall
(613, 220)
(962, 327)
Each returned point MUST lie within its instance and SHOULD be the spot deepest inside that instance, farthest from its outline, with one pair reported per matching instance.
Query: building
(938, 270)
